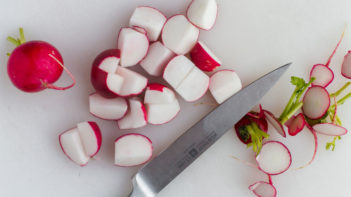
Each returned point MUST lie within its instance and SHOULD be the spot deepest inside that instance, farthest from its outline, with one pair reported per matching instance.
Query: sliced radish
(275, 123)
(158, 94)
(139, 29)
(329, 129)
(109, 109)
(204, 58)
(296, 125)
(202, 13)
(133, 45)
(151, 19)
(323, 75)
(263, 189)
(133, 82)
(274, 158)
(90, 136)
(156, 59)
(136, 116)
(177, 69)
(132, 150)
(316, 102)
(224, 84)
(179, 34)
(162, 113)
(346, 66)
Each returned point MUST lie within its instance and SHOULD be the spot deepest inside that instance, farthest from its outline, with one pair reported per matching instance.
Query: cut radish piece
(90, 135)
(202, 13)
(156, 59)
(323, 75)
(263, 189)
(179, 34)
(329, 129)
(224, 84)
(177, 69)
(133, 82)
(162, 113)
(109, 109)
(151, 19)
(275, 123)
(316, 102)
(296, 125)
(274, 158)
(133, 45)
(346, 66)
(132, 150)
(139, 29)
(136, 116)
(158, 94)
(204, 58)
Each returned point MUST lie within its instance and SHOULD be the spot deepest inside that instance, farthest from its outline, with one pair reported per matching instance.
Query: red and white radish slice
(108, 109)
(156, 59)
(158, 94)
(316, 102)
(179, 35)
(224, 84)
(90, 136)
(329, 129)
(132, 150)
(296, 125)
(136, 116)
(202, 13)
(323, 75)
(151, 19)
(274, 158)
(204, 58)
(133, 46)
(346, 66)
(177, 69)
(263, 189)
(275, 123)
(162, 113)
(133, 82)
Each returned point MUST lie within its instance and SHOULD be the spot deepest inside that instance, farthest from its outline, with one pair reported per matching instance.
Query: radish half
(90, 135)
(202, 13)
(274, 158)
(323, 75)
(132, 149)
(275, 123)
(296, 124)
(156, 59)
(346, 66)
(179, 35)
(316, 102)
(204, 58)
(177, 69)
(263, 189)
(158, 94)
(108, 109)
(329, 129)
(136, 116)
(133, 82)
(224, 84)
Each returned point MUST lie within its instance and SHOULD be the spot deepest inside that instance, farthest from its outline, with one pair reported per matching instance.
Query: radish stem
(18, 41)
(245, 162)
(337, 93)
(315, 149)
(339, 42)
(332, 144)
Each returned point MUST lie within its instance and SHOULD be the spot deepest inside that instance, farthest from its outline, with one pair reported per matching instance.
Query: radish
(202, 13)
(136, 116)
(156, 59)
(133, 82)
(316, 102)
(179, 35)
(133, 45)
(224, 84)
(35, 65)
(329, 129)
(346, 66)
(274, 158)
(132, 149)
(139, 29)
(81, 143)
(151, 19)
(204, 58)
(296, 125)
(275, 123)
(108, 109)
(177, 69)
(158, 94)
(323, 75)
(263, 189)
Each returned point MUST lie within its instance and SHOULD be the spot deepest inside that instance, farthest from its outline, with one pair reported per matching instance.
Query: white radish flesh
(346, 66)
(136, 116)
(162, 113)
(202, 13)
(177, 69)
(109, 64)
(316, 102)
(133, 82)
(274, 158)
(109, 109)
(179, 34)
(139, 29)
(204, 58)
(263, 189)
(329, 129)
(323, 75)
(90, 136)
(275, 123)
(132, 150)
(158, 94)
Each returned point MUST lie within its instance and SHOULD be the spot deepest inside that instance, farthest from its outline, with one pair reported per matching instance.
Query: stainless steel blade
(154, 176)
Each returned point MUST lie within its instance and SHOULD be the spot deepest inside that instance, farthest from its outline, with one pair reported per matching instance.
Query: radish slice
(275, 123)
(288, 122)
(296, 125)
(136, 116)
(158, 94)
(274, 158)
(177, 69)
(133, 82)
(139, 29)
(204, 58)
(263, 189)
(346, 66)
(329, 129)
(315, 138)
(202, 13)
(316, 102)
(323, 75)
(162, 113)
(156, 59)
(108, 109)
(179, 34)
(132, 150)
(133, 45)
(151, 19)
(90, 136)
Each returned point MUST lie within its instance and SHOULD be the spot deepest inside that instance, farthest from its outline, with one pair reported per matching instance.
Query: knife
(158, 173)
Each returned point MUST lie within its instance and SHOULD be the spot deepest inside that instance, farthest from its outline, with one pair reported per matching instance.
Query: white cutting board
(251, 36)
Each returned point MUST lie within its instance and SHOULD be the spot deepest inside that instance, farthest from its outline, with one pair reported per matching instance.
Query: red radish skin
(97, 132)
(288, 122)
(204, 28)
(275, 123)
(268, 189)
(203, 58)
(346, 66)
(156, 86)
(323, 75)
(297, 124)
(316, 102)
(337, 46)
(329, 129)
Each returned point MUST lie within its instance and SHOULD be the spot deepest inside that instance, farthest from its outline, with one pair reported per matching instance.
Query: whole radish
(35, 65)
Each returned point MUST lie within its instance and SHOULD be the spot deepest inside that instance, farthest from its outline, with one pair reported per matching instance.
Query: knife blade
(158, 173)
